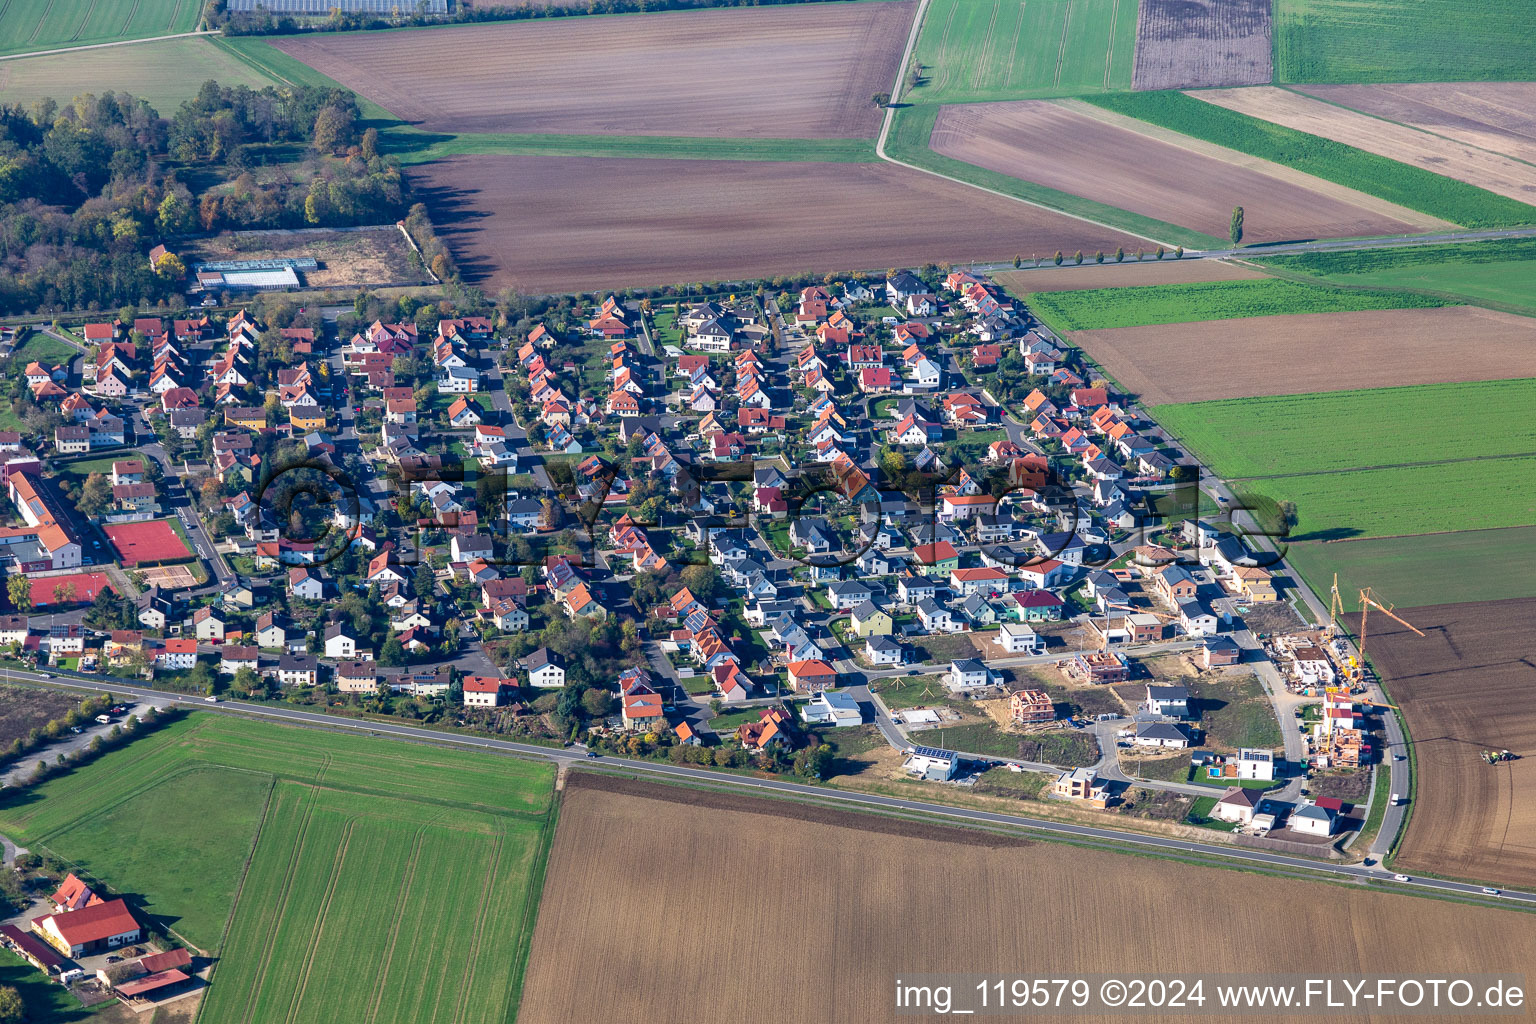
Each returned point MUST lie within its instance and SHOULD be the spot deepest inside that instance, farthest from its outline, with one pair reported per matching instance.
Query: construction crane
(1367, 602)
(1335, 606)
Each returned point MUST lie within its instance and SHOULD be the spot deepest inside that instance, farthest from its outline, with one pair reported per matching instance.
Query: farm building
(252, 275)
(31, 949)
(90, 929)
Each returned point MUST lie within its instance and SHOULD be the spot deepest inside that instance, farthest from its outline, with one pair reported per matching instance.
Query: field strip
(1013, 49)
(250, 855)
(943, 48)
(406, 881)
(1412, 127)
(1236, 159)
(1109, 55)
(1061, 51)
(176, 13)
(100, 46)
(338, 862)
(1391, 465)
(135, 10)
(294, 857)
(986, 49)
(478, 933)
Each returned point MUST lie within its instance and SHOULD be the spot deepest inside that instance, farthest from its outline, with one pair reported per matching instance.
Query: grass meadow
(1341, 430)
(1413, 187)
(27, 25)
(1444, 568)
(994, 50)
(1497, 273)
(360, 878)
(1146, 305)
(1403, 40)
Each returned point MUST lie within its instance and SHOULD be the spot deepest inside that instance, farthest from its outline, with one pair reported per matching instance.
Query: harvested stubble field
(1497, 116)
(798, 71)
(1185, 44)
(1290, 355)
(535, 223)
(1130, 274)
(993, 49)
(1464, 688)
(1338, 430)
(347, 258)
(1403, 40)
(1454, 159)
(1101, 308)
(138, 69)
(1087, 152)
(899, 897)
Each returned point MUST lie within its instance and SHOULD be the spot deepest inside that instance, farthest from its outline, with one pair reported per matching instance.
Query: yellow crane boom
(1367, 602)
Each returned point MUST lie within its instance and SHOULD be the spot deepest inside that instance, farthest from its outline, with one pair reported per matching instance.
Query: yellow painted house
(306, 418)
(869, 620)
(1254, 583)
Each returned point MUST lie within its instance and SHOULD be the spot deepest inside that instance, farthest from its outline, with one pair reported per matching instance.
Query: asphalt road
(1236, 856)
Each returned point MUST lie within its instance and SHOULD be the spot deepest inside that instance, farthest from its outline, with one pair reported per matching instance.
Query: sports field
(389, 881)
(1339, 430)
(137, 69)
(1098, 309)
(154, 540)
(1409, 186)
(1403, 40)
(27, 25)
(994, 49)
(71, 588)
(1441, 568)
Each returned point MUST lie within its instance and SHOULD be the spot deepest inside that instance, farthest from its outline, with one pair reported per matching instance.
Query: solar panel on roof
(932, 752)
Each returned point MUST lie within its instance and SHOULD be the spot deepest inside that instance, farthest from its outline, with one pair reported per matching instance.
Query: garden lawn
(1403, 40)
(1396, 182)
(46, 1000)
(1337, 430)
(40, 347)
(1145, 305)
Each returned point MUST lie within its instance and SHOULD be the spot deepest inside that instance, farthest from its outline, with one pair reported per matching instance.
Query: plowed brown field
(1468, 686)
(1185, 44)
(1292, 355)
(736, 910)
(1445, 156)
(1122, 275)
(798, 72)
(1500, 116)
(1073, 152)
(546, 224)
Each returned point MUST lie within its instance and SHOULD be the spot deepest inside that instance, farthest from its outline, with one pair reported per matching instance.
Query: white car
(1489, 891)
(1401, 878)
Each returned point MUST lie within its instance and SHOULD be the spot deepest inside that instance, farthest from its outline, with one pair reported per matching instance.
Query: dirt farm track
(1305, 352)
(1468, 686)
(538, 223)
(646, 880)
(798, 72)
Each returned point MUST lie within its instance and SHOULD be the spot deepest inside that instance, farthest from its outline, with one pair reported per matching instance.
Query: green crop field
(994, 50)
(1341, 430)
(27, 25)
(1403, 40)
(138, 69)
(1400, 500)
(1500, 274)
(388, 881)
(1413, 187)
(1095, 308)
(1443, 568)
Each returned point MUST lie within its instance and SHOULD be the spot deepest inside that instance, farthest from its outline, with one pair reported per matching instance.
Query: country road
(1236, 856)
